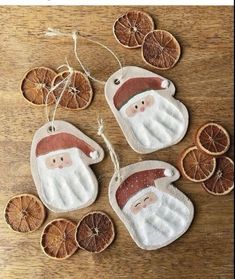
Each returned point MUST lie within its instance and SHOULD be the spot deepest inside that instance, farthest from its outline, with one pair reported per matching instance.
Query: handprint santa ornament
(154, 212)
(60, 159)
(144, 106)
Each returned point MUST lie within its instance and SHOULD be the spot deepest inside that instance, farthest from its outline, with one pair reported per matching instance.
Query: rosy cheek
(50, 165)
(149, 101)
(130, 112)
(133, 111)
(135, 209)
(146, 202)
(152, 199)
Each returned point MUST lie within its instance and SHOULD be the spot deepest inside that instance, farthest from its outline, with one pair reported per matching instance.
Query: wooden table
(203, 78)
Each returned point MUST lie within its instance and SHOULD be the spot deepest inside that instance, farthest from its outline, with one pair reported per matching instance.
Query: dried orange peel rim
(91, 93)
(161, 68)
(41, 206)
(225, 192)
(184, 154)
(151, 21)
(202, 148)
(23, 79)
(43, 233)
(112, 228)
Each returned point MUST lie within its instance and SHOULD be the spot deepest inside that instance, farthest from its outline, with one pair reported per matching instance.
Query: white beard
(68, 188)
(160, 125)
(159, 223)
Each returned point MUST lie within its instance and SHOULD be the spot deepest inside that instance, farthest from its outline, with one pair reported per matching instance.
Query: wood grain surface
(204, 82)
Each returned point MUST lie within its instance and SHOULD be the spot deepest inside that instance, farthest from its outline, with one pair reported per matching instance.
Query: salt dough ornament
(154, 212)
(143, 104)
(60, 160)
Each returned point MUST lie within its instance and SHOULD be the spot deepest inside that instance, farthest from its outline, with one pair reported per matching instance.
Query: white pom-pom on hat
(165, 83)
(94, 155)
(168, 172)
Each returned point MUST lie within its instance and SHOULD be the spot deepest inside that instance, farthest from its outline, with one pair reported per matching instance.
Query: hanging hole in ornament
(116, 178)
(117, 81)
(51, 129)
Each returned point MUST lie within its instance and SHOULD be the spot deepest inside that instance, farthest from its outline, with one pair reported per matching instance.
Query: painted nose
(142, 109)
(144, 206)
(60, 166)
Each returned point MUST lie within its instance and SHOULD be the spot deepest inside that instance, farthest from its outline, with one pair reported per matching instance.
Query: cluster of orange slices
(43, 86)
(159, 48)
(205, 162)
(61, 237)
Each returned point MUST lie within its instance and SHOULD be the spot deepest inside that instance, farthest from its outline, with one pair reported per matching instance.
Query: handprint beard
(155, 121)
(159, 220)
(67, 186)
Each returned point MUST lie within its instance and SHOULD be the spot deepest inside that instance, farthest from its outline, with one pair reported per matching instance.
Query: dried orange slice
(24, 213)
(95, 232)
(222, 182)
(78, 92)
(196, 165)
(36, 85)
(131, 28)
(58, 239)
(160, 49)
(213, 139)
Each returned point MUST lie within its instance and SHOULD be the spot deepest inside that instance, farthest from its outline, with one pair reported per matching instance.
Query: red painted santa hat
(61, 141)
(137, 182)
(134, 86)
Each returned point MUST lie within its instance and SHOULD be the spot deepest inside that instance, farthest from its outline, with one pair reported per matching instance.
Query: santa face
(66, 180)
(155, 121)
(157, 217)
(61, 160)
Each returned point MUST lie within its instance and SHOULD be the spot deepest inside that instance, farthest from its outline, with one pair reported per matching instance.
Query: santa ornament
(144, 106)
(60, 159)
(154, 212)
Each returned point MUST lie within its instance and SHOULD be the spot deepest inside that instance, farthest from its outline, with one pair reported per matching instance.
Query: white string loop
(111, 150)
(66, 82)
(53, 32)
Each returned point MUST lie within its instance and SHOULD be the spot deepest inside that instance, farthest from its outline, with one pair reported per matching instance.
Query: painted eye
(136, 106)
(137, 204)
(62, 159)
(142, 102)
(53, 160)
(146, 198)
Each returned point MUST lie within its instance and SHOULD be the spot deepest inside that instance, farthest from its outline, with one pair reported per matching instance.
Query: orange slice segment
(58, 239)
(131, 28)
(222, 182)
(95, 232)
(213, 139)
(196, 165)
(36, 85)
(160, 49)
(24, 213)
(78, 92)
